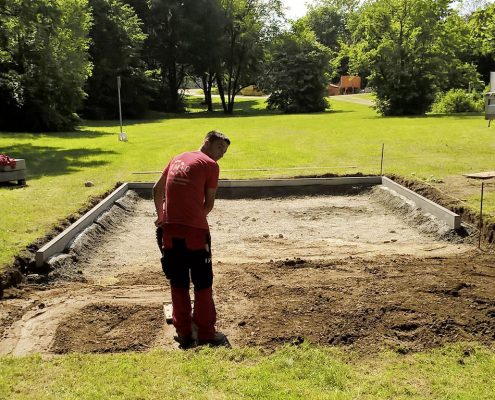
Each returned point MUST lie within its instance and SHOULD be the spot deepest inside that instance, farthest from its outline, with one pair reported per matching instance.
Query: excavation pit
(359, 269)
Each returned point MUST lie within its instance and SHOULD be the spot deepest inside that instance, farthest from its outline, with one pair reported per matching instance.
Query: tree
(296, 75)
(167, 50)
(412, 50)
(482, 29)
(329, 20)
(43, 63)
(115, 50)
(250, 24)
(204, 30)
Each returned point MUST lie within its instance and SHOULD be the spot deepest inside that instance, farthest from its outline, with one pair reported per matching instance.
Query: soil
(354, 271)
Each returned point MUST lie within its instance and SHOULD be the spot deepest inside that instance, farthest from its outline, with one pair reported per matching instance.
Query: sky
(295, 8)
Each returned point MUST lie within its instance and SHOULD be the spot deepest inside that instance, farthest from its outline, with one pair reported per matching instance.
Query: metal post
(481, 215)
(120, 106)
(381, 165)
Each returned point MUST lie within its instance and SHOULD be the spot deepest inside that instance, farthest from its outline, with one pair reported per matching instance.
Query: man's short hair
(213, 136)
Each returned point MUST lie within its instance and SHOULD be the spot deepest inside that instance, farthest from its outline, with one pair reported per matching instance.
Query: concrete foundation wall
(252, 189)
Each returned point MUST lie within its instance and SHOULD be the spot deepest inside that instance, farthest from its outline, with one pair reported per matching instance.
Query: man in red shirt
(183, 196)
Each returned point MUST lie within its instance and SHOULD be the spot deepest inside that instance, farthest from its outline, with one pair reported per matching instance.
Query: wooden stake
(381, 165)
(481, 214)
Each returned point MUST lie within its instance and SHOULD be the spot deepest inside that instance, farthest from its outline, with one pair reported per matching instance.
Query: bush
(457, 101)
(297, 77)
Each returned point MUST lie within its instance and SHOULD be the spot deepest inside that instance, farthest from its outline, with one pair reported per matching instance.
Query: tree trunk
(207, 83)
(231, 103)
(221, 92)
(209, 102)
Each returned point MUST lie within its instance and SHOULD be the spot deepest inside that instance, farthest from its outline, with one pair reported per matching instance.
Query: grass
(306, 372)
(347, 139)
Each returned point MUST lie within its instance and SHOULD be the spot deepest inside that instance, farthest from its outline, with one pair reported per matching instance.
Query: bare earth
(334, 270)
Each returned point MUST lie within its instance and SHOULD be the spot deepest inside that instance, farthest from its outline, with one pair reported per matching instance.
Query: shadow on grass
(76, 134)
(429, 116)
(53, 161)
(245, 108)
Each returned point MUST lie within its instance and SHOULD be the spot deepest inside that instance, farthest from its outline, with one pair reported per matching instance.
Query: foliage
(167, 52)
(205, 40)
(457, 101)
(482, 31)
(43, 63)
(185, 38)
(453, 54)
(250, 24)
(296, 75)
(328, 23)
(115, 50)
(331, 21)
(413, 48)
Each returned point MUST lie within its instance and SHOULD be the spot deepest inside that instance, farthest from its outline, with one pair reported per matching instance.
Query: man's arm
(159, 197)
(209, 199)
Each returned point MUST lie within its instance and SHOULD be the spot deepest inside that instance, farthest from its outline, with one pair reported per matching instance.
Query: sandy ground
(335, 270)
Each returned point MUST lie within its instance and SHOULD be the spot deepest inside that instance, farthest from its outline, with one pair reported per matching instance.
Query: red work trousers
(204, 314)
(182, 265)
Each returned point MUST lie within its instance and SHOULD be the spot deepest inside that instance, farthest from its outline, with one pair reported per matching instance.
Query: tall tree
(250, 24)
(204, 37)
(330, 19)
(168, 51)
(482, 28)
(115, 50)
(407, 45)
(43, 63)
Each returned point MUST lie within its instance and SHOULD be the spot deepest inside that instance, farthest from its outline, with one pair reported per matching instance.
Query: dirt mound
(402, 303)
(103, 328)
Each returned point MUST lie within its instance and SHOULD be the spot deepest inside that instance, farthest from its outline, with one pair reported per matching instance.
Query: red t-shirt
(188, 176)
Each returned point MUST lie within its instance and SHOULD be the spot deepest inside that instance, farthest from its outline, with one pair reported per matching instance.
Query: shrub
(297, 73)
(457, 101)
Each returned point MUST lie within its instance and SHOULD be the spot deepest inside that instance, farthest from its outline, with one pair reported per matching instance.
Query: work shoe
(185, 342)
(218, 340)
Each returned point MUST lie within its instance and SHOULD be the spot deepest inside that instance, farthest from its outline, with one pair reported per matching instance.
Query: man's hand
(209, 200)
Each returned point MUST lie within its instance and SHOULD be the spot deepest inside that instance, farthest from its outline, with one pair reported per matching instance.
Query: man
(183, 196)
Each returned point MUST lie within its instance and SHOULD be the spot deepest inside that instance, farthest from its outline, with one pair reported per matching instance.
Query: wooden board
(481, 175)
(167, 311)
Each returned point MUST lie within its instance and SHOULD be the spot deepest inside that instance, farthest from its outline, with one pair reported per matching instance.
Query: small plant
(457, 101)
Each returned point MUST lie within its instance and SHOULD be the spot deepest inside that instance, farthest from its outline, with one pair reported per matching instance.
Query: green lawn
(454, 372)
(347, 139)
